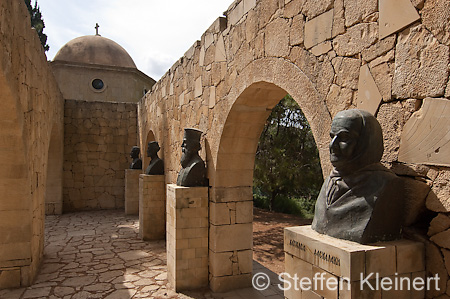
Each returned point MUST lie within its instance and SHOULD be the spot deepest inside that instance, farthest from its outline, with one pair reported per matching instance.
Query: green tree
(287, 164)
(37, 22)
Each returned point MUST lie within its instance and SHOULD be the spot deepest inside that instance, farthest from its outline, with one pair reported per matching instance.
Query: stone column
(231, 238)
(187, 237)
(152, 207)
(132, 191)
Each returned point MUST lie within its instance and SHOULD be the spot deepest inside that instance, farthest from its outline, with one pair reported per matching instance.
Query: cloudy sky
(155, 33)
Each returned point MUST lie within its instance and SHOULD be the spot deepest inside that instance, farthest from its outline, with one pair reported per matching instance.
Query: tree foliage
(287, 164)
(37, 22)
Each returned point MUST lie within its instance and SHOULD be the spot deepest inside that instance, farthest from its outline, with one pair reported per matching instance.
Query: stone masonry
(152, 207)
(97, 142)
(187, 237)
(388, 57)
(31, 126)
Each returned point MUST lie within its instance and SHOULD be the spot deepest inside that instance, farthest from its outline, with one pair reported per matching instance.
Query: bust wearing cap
(193, 172)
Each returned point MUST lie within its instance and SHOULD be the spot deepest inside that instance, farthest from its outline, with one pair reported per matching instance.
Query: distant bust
(361, 200)
(134, 154)
(193, 172)
(156, 165)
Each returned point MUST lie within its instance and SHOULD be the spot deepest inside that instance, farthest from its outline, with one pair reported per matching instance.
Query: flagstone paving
(98, 254)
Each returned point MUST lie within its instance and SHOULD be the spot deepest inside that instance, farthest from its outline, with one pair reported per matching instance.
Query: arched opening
(287, 179)
(231, 194)
(145, 159)
(54, 190)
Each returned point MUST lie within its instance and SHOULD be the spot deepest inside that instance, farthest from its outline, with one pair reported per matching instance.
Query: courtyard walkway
(99, 255)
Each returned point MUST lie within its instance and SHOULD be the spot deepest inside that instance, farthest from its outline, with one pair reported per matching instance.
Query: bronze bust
(134, 154)
(156, 165)
(193, 172)
(361, 200)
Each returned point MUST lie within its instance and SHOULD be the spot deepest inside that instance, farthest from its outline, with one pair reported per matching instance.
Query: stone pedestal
(326, 267)
(152, 207)
(230, 238)
(187, 237)
(132, 191)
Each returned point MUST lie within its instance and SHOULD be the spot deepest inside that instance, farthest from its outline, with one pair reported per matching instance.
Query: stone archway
(260, 86)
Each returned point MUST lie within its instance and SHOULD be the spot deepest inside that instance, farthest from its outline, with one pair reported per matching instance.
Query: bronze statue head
(190, 145)
(152, 149)
(135, 151)
(356, 140)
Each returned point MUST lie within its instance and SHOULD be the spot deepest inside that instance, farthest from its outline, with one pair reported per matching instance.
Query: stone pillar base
(152, 207)
(187, 237)
(327, 267)
(132, 191)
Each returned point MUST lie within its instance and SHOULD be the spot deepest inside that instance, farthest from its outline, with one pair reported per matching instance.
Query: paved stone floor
(99, 255)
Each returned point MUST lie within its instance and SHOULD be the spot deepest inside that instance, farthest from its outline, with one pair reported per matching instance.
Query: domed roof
(95, 49)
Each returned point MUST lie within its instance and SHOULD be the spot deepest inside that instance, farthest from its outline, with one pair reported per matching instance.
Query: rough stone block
(318, 29)
(277, 38)
(356, 11)
(436, 18)
(236, 13)
(356, 39)
(420, 65)
(312, 8)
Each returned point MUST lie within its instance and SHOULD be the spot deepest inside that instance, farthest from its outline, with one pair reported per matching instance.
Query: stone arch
(54, 182)
(259, 87)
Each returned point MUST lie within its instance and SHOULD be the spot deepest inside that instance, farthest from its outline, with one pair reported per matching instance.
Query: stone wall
(329, 55)
(97, 143)
(31, 114)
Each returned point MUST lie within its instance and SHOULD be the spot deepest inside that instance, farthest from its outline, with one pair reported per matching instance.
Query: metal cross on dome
(96, 28)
